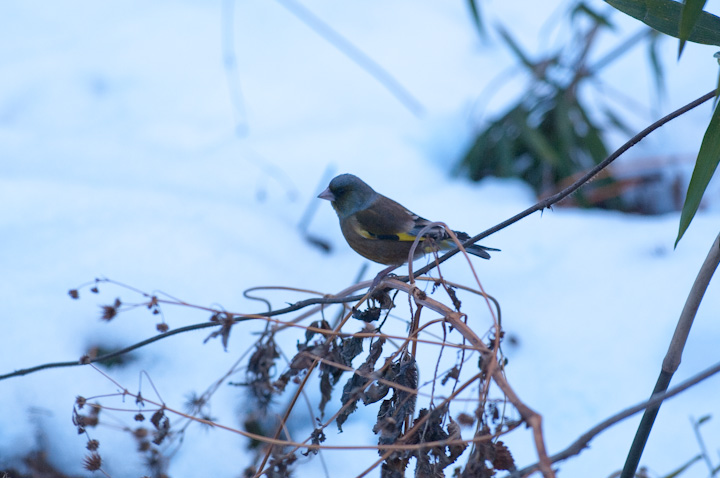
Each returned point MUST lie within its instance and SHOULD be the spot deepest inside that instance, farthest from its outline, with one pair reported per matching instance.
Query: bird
(383, 230)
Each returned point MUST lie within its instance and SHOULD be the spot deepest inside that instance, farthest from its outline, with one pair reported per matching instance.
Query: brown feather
(382, 250)
(385, 217)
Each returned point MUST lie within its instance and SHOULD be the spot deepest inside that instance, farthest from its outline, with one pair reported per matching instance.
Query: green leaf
(539, 145)
(703, 419)
(656, 64)
(600, 19)
(690, 13)
(717, 57)
(476, 16)
(617, 122)
(564, 133)
(683, 467)
(664, 16)
(515, 48)
(705, 166)
(592, 138)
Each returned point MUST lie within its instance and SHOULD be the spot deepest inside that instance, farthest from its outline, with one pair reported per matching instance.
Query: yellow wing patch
(400, 237)
(363, 232)
(407, 237)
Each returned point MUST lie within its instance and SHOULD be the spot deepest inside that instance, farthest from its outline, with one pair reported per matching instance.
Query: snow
(120, 160)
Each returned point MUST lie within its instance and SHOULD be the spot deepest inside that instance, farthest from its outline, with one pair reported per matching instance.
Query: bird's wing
(436, 233)
(389, 223)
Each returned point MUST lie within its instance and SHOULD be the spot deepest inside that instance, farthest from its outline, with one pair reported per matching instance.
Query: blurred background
(178, 147)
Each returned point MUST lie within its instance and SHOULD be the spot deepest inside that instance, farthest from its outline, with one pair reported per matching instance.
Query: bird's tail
(480, 251)
(474, 249)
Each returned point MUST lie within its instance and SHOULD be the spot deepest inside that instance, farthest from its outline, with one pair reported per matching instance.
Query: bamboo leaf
(664, 16)
(515, 48)
(690, 13)
(705, 166)
(476, 16)
(703, 419)
(599, 18)
(540, 146)
(656, 64)
(684, 467)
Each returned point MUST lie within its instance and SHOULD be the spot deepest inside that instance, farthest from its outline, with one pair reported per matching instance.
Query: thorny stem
(555, 198)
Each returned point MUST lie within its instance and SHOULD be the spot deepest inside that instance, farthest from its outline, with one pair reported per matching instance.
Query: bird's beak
(327, 194)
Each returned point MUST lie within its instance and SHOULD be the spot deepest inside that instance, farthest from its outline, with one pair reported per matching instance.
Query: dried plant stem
(674, 354)
(301, 386)
(419, 424)
(285, 417)
(581, 443)
(532, 418)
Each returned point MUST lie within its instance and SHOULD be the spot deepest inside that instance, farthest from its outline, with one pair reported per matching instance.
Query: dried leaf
(226, 321)
(259, 367)
(368, 315)
(503, 459)
(353, 389)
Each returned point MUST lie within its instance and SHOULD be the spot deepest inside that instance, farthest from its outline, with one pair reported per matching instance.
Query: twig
(117, 353)
(581, 443)
(547, 202)
(232, 76)
(311, 210)
(701, 443)
(355, 54)
(340, 299)
(532, 418)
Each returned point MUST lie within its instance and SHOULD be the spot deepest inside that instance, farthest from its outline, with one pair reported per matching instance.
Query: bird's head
(348, 194)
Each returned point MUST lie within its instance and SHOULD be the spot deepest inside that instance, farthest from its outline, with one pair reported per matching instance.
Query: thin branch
(555, 198)
(581, 443)
(341, 299)
(232, 76)
(355, 54)
(530, 416)
(701, 443)
(117, 353)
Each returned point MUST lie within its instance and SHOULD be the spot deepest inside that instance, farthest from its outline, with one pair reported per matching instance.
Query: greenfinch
(382, 230)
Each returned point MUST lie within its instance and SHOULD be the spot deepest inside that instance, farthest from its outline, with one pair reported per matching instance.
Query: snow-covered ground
(119, 158)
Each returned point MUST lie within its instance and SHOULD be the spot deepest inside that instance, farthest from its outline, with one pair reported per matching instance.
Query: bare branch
(673, 356)
(581, 443)
(555, 198)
